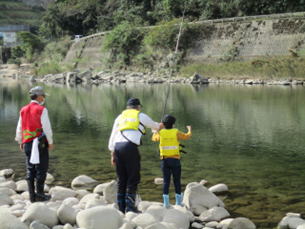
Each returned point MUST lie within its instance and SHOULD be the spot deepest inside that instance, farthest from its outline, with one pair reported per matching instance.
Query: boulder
(143, 205)
(176, 217)
(95, 202)
(241, 223)
(50, 179)
(143, 220)
(197, 225)
(158, 181)
(9, 184)
(5, 200)
(54, 205)
(302, 226)
(156, 211)
(66, 214)
(103, 217)
(7, 173)
(219, 188)
(110, 192)
(42, 213)
(198, 198)
(83, 182)
(130, 215)
(61, 193)
(291, 221)
(22, 186)
(214, 214)
(7, 191)
(9, 221)
(38, 225)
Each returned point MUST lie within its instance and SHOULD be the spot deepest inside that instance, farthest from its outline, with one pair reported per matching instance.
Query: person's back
(170, 156)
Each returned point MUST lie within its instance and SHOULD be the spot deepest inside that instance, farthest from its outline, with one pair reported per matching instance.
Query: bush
(123, 43)
(52, 67)
(30, 44)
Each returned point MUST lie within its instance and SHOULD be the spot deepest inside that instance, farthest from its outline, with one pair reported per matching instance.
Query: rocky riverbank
(80, 207)
(90, 77)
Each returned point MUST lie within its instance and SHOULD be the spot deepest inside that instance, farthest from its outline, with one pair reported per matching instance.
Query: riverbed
(249, 137)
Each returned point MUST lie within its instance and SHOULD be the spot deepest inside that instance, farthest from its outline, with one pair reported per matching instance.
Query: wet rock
(66, 214)
(99, 218)
(219, 188)
(83, 182)
(143, 220)
(61, 193)
(214, 214)
(71, 77)
(241, 223)
(198, 198)
(176, 217)
(38, 225)
(158, 181)
(7, 173)
(8, 221)
(42, 213)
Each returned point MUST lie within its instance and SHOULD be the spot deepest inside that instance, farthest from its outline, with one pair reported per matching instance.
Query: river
(249, 137)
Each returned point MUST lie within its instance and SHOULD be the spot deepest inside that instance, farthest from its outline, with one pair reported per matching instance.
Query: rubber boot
(166, 201)
(178, 199)
(131, 203)
(40, 196)
(121, 202)
(31, 188)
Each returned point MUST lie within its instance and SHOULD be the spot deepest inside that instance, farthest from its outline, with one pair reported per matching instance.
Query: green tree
(30, 44)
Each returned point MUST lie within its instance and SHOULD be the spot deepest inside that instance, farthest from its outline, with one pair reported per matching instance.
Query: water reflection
(251, 138)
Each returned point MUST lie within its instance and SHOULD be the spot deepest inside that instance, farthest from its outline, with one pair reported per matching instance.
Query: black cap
(168, 121)
(133, 102)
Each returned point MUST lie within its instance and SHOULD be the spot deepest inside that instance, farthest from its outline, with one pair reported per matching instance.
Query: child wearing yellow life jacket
(170, 156)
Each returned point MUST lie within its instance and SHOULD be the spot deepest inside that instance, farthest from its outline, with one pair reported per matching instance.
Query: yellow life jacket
(129, 120)
(169, 144)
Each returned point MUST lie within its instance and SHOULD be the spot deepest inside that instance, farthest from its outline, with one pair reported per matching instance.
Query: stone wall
(232, 38)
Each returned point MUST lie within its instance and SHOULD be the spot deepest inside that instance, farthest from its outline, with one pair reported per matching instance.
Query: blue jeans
(171, 166)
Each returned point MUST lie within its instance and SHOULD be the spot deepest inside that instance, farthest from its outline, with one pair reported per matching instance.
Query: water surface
(251, 138)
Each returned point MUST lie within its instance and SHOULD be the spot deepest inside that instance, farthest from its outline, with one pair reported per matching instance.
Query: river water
(251, 138)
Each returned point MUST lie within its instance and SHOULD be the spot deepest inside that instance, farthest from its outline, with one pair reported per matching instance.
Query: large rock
(5, 200)
(110, 192)
(71, 201)
(95, 202)
(291, 221)
(42, 213)
(9, 184)
(22, 186)
(66, 214)
(87, 198)
(241, 223)
(50, 179)
(7, 191)
(7, 173)
(219, 188)
(143, 220)
(99, 218)
(214, 214)
(83, 182)
(61, 193)
(198, 198)
(176, 217)
(156, 211)
(38, 225)
(8, 221)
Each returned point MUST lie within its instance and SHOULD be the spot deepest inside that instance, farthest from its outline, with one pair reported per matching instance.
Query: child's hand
(189, 128)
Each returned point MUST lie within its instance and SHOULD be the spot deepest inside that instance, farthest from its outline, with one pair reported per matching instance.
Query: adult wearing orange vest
(125, 138)
(35, 137)
(170, 156)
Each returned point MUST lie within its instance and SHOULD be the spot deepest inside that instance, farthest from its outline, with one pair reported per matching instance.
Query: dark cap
(37, 91)
(133, 102)
(168, 121)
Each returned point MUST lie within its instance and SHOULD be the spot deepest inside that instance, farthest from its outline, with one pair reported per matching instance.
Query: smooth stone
(54, 205)
(128, 225)
(214, 214)
(110, 192)
(225, 222)
(130, 215)
(83, 182)
(198, 198)
(158, 181)
(143, 220)
(241, 223)
(71, 201)
(87, 198)
(7, 173)
(197, 225)
(42, 213)
(103, 217)
(9, 221)
(38, 225)
(292, 214)
(66, 214)
(68, 226)
(185, 211)
(5, 200)
(9, 184)
(212, 224)
(218, 188)
(7, 191)
(58, 227)
(50, 179)
(203, 182)
(61, 193)
(143, 205)
(157, 225)
(18, 213)
(156, 211)
(302, 226)
(2, 179)
(95, 202)
(81, 193)
(176, 217)
(22, 186)
(291, 221)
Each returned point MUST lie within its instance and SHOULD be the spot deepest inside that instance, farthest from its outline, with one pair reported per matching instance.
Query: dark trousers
(171, 166)
(39, 171)
(127, 159)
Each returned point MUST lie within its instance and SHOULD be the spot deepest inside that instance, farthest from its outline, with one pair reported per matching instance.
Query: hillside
(17, 13)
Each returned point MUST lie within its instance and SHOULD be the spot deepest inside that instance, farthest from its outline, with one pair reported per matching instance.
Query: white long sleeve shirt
(132, 135)
(45, 122)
